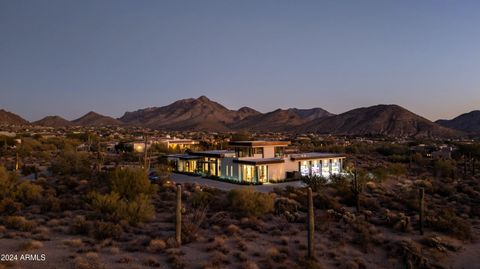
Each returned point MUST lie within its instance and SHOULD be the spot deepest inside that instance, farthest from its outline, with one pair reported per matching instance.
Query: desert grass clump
(274, 254)
(175, 260)
(151, 262)
(217, 243)
(249, 265)
(89, 261)
(41, 233)
(240, 256)
(284, 240)
(218, 259)
(18, 223)
(80, 226)
(31, 245)
(248, 202)
(73, 242)
(104, 230)
(233, 229)
(156, 245)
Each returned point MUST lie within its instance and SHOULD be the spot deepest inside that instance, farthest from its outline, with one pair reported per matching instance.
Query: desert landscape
(240, 134)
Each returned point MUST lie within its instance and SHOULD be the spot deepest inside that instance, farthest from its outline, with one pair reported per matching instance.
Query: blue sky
(69, 57)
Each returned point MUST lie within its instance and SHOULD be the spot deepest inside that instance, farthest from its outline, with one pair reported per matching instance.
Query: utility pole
(422, 208)
(178, 216)
(99, 158)
(311, 225)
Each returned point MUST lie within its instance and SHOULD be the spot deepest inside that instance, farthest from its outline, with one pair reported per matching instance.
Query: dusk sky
(69, 57)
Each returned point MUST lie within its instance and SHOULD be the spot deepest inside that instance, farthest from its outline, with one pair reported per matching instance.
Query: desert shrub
(18, 223)
(9, 206)
(164, 172)
(444, 168)
(28, 192)
(396, 169)
(191, 224)
(443, 188)
(200, 199)
(18, 190)
(128, 199)
(392, 149)
(247, 202)
(288, 208)
(317, 183)
(50, 203)
(80, 226)
(447, 221)
(130, 183)
(70, 162)
(138, 210)
(111, 207)
(8, 182)
(105, 204)
(324, 201)
(103, 230)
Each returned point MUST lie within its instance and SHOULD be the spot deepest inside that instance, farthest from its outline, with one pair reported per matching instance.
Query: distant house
(181, 144)
(258, 162)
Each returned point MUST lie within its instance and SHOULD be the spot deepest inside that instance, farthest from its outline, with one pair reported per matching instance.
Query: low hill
(9, 118)
(95, 119)
(280, 119)
(53, 121)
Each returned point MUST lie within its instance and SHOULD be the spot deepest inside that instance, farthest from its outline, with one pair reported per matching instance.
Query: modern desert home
(257, 162)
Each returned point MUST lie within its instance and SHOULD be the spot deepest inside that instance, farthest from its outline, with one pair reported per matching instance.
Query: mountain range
(468, 122)
(203, 114)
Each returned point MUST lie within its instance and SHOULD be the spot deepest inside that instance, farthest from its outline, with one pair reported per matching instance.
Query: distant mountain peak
(92, 118)
(203, 98)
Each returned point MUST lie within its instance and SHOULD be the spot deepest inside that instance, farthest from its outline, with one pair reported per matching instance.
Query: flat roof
(212, 153)
(259, 161)
(315, 155)
(259, 143)
(183, 156)
(178, 141)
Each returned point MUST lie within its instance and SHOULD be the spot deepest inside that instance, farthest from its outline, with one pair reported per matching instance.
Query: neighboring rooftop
(259, 143)
(213, 153)
(315, 155)
(259, 161)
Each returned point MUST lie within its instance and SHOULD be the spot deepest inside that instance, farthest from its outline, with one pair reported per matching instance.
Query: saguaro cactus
(146, 161)
(356, 190)
(17, 162)
(178, 219)
(311, 225)
(422, 208)
(473, 166)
